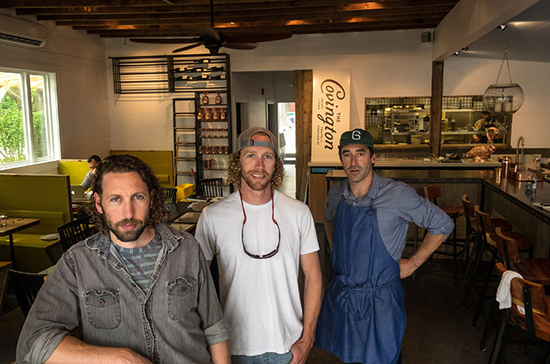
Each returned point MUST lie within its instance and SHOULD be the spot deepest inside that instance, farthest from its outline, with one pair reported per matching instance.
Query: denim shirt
(174, 322)
(396, 204)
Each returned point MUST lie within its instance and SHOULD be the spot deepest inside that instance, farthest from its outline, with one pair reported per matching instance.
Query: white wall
(79, 63)
(382, 64)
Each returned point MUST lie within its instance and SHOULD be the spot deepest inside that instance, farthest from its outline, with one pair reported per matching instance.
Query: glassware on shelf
(205, 99)
(208, 115)
(200, 114)
(223, 114)
(216, 115)
(218, 98)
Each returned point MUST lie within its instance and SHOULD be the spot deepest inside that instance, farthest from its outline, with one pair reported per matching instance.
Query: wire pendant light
(504, 98)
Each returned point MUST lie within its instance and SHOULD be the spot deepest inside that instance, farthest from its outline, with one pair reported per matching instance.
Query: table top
(16, 224)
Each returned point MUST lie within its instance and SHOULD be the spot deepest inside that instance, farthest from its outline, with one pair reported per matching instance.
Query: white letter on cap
(356, 135)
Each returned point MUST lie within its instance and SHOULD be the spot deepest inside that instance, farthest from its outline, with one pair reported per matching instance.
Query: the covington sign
(331, 107)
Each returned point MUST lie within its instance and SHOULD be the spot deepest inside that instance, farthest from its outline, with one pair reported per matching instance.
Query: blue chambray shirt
(173, 322)
(396, 204)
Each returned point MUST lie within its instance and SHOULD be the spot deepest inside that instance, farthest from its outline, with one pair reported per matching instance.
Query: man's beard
(127, 236)
(257, 185)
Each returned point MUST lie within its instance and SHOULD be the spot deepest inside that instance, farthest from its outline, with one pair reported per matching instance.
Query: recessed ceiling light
(502, 26)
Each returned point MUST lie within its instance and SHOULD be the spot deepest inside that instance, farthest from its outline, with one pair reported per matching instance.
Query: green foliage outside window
(12, 133)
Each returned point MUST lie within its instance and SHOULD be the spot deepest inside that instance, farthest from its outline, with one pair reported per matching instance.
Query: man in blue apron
(363, 316)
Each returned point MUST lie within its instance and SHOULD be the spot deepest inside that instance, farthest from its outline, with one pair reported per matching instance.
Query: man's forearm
(73, 351)
(429, 245)
(220, 353)
(313, 289)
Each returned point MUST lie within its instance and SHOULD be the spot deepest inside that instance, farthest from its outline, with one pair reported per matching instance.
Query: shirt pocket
(103, 308)
(181, 297)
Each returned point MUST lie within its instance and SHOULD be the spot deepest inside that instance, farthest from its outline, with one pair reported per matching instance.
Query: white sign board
(331, 110)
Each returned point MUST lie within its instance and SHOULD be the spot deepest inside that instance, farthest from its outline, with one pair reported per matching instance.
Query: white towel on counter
(504, 296)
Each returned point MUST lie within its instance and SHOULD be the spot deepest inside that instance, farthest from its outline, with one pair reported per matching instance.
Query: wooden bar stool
(535, 320)
(472, 234)
(488, 228)
(532, 269)
(432, 192)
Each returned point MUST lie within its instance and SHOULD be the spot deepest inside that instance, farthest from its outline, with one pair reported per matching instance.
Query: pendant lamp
(503, 98)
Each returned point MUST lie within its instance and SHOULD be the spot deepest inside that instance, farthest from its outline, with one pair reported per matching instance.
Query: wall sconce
(504, 98)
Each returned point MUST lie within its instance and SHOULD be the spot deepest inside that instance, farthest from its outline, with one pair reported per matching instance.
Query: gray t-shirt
(396, 204)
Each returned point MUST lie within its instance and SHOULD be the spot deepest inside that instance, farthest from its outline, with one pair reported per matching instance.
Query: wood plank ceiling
(188, 18)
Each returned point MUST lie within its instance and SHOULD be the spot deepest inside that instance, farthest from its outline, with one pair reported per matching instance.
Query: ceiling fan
(214, 40)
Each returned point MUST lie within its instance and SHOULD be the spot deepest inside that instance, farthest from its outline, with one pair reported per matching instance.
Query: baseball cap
(245, 139)
(357, 136)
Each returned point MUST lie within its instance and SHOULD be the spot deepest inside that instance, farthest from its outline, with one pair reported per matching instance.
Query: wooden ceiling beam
(220, 9)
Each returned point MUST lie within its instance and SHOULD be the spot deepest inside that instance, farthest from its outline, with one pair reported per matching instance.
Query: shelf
(186, 158)
(185, 173)
(185, 143)
(213, 105)
(184, 113)
(183, 128)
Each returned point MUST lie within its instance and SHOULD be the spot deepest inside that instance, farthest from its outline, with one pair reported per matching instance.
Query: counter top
(419, 163)
(511, 189)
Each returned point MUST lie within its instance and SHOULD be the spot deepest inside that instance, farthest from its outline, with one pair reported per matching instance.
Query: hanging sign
(331, 109)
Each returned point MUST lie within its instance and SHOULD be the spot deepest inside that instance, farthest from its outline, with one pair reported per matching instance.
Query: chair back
(532, 298)
(508, 249)
(471, 222)
(432, 192)
(210, 187)
(74, 231)
(170, 195)
(26, 286)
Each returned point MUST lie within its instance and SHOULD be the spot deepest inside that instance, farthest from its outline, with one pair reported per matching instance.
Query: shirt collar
(373, 190)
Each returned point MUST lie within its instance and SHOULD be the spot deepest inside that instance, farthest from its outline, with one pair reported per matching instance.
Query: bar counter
(501, 197)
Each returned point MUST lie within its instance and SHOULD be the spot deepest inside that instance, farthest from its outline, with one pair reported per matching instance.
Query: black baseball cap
(357, 136)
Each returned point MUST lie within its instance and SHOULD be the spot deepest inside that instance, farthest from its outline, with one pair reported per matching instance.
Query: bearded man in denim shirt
(142, 291)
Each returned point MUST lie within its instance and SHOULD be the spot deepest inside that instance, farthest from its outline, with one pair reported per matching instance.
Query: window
(29, 125)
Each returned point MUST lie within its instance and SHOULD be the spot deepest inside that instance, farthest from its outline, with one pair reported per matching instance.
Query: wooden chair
(26, 286)
(472, 234)
(536, 320)
(433, 192)
(486, 228)
(533, 269)
(74, 231)
(210, 187)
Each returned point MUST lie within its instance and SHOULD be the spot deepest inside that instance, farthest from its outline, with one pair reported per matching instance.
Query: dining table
(12, 226)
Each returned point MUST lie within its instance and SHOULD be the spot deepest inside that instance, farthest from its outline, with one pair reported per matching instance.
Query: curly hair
(234, 171)
(128, 164)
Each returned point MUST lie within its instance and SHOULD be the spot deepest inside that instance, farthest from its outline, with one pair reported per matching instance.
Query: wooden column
(435, 110)
(303, 94)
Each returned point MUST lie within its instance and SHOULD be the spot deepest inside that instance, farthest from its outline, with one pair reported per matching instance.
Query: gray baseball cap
(245, 139)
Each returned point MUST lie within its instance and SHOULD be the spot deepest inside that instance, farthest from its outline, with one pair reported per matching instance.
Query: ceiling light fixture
(504, 98)
(502, 26)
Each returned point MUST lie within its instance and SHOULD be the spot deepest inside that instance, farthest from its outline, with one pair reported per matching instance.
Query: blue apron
(363, 316)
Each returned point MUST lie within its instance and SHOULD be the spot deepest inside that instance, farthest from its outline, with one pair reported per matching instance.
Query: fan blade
(164, 40)
(255, 38)
(211, 32)
(186, 48)
(240, 45)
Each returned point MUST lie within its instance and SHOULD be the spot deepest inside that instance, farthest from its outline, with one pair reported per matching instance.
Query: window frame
(51, 118)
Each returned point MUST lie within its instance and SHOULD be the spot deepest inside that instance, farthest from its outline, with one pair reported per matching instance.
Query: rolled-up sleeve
(213, 323)
(424, 213)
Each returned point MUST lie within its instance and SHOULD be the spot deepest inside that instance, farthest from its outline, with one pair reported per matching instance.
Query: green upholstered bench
(31, 252)
(160, 161)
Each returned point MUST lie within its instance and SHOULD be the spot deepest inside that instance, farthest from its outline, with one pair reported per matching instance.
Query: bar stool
(532, 269)
(432, 192)
(472, 234)
(479, 245)
(487, 227)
